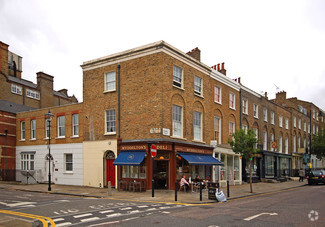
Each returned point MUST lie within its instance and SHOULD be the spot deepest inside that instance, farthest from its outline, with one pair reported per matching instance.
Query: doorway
(110, 168)
(161, 172)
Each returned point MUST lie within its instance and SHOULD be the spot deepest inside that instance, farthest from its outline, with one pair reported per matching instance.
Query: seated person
(198, 181)
(184, 183)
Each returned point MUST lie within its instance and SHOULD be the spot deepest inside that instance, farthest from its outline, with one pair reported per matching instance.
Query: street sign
(153, 150)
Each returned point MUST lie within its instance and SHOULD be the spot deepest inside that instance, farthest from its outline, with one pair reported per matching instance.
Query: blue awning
(200, 159)
(129, 158)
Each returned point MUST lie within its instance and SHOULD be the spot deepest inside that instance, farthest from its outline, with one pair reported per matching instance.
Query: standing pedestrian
(301, 174)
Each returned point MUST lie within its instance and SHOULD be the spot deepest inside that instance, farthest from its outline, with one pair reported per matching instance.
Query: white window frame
(245, 106)
(61, 126)
(197, 126)
(198, 86)
(33, 129)
(217, 129)
(299, 141)
(272, 118)
(177, 76)
(232, 127)
(47, 129)
(294, 121)
(177, 121)
(265, 140)
(217, 94)
(256, 110)
(16, 89)
(32, 94)
(280, 144)
(286, 145)
(110, 122)
(280, 121)
(75, 125)
(299, 123)
(305, 126)
(232, 100)
(27, 161)
(22, 130)
(110, 81)
(265, 114)
(287, 123)
(294, 138)
(245, 128)
(68, 163)
(271, 142)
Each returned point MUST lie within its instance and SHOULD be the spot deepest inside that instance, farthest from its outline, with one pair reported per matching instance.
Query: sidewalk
(160, 196)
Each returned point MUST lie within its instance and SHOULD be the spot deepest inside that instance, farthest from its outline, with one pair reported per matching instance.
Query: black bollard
(27, 176)
(228, 188)
(200, 191)
(175, 190)
(153, 188)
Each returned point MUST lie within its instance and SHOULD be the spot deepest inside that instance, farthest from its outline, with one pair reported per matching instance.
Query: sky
(276, 45)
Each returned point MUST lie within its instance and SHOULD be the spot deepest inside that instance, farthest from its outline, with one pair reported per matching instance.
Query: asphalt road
(304, 206)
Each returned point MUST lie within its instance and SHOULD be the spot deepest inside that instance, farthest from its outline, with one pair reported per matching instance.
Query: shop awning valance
(129, 158)
(200, 159)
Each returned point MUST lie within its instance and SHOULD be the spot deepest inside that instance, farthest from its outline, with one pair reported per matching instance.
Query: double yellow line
(32, 216)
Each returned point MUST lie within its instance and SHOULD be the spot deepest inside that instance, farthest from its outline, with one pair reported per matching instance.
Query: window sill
(245, 114)
(22, 140)
(32, 139)
(73, 137)
(198, 141)
(220, 103)
(110, 91)
(255, 117)
(200, 96)
(60, 137)
(232, 108)
(175, 137)
(68, 172)
(181, 88)
(109, 133)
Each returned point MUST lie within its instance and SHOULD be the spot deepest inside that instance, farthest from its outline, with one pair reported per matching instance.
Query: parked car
(316, 176)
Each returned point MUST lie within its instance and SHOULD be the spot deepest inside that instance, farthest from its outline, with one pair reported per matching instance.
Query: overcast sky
(268, 44)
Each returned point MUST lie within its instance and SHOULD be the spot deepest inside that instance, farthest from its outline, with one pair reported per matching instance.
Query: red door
(110, 172)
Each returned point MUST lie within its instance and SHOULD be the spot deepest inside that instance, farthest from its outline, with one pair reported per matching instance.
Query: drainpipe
(240, 107)
(118, 121)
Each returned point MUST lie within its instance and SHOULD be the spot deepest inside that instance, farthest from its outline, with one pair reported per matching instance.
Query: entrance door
(110, 172)
(161, 174)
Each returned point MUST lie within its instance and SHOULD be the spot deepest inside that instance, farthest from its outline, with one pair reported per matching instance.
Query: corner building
(156, 94)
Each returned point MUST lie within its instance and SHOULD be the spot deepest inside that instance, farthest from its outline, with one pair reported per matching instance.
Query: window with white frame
(177, 76)
(27, 161)
(177, 121)
(304, 142)
(308, 128)
(294, 143)
(61, 126)
(217, 129)
(280, 121)
(287, 123)
(265, 114)
(68, 158)
(197, 126)
(294, 121)
(245, 106)
(110, 81)
(32, 94)
(299, 123)
(110, 122)
(47, 128)
(280, 144)
(232, 100)
(255, 110)
(22, 130)
(286, 145)
(314, 129)
(271, 142)
(272, 118)
(198, 85)
(231, 128)
(314, 113)
(305, 126)
(33, 129)
(217, 94)
(75, 125)
(245, 128)
(16, 89)
(299, 141)
(265, 140)
(256, 135)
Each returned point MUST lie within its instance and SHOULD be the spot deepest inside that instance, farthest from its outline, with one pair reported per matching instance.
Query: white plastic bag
(220, 196)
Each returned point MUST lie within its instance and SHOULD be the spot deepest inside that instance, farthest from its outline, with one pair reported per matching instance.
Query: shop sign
(193, 150)
(166, 131)
(164, 147)
(155, 130)
(133, 147)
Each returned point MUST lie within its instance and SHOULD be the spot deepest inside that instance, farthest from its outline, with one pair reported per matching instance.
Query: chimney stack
(195, 53)
(222, 70)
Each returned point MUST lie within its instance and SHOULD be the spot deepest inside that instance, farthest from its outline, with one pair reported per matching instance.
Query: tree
(245, 144)
(318, 144)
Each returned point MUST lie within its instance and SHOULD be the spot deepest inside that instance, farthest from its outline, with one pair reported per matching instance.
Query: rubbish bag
(220, 196)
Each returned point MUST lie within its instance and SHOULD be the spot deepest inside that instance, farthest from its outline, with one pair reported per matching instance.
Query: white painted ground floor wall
(59, 175)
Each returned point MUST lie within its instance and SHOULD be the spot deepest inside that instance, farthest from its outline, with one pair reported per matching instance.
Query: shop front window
(236, 168)
(223, 172)
(137, 172)
(284, 163)
(230, 167)
(269, 166)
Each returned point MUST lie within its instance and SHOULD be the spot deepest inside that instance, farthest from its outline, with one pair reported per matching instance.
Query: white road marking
(164, 208)
(17, 204)
(82, 215)
(150, 209)
(165, 212)
(113, 215)
(142, 206)
(106, 211)
(58, 219)
(63, 224)
(257, 215)
(126, 208)
(89, 219)
(134, 211)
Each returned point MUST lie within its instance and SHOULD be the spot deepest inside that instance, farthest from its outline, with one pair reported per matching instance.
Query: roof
(11, 107)
(22, 82)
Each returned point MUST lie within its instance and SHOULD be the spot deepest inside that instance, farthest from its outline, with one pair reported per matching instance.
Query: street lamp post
(49, 116)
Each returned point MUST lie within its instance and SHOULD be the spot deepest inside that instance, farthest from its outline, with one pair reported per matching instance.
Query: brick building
(155, 94)
(16, 95)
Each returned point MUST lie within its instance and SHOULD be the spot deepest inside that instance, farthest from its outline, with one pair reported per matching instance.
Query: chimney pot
(218, 67)
(239, 80)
